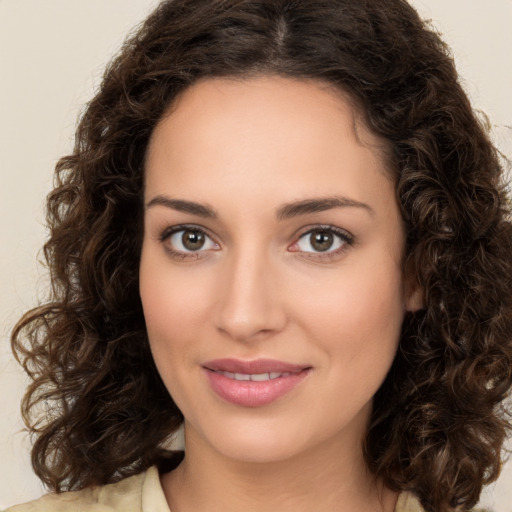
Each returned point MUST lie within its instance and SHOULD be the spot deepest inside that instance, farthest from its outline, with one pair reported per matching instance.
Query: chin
(263, 440)
(262, 450)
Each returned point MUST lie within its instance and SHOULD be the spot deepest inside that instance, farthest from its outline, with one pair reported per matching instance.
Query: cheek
(174, 315)
(377, 306)
(357, 315)
(353, 322)
(173, 303)
(174, 311)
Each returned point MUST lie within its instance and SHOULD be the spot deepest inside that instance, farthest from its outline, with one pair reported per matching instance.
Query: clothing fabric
(139, 493)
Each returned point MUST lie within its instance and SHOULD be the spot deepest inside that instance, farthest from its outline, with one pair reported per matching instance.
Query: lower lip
(247, 393)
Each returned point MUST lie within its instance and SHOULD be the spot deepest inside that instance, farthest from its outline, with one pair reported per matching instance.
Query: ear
(414, 292)
(414, 300)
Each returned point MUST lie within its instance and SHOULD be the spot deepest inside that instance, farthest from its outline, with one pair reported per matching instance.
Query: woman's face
(270, 273)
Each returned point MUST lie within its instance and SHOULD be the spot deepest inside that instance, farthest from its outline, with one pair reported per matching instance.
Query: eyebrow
(287, 211)
(180, 205)
(308, 206)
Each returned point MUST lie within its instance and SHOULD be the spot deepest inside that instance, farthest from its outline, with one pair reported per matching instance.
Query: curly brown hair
(97, 407)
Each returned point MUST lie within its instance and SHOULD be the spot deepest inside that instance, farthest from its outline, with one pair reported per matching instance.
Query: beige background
(52, 53)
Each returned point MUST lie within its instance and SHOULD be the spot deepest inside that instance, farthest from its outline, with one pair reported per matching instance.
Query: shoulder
(137, 493)
(407, 502)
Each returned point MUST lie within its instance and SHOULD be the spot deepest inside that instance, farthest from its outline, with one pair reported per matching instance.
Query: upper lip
(256, 366)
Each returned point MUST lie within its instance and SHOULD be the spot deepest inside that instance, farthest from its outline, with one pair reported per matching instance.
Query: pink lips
(253, 383)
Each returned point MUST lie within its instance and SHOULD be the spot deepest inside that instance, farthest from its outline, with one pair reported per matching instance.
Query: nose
(249, 304)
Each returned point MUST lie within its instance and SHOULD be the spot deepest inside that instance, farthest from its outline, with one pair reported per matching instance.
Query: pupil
(193, 240)
(321, 240)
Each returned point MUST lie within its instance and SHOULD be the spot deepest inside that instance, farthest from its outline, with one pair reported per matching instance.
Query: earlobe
(414, 301)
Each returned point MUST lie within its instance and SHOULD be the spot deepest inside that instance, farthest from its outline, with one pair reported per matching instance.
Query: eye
(323, 240)
(182, 240)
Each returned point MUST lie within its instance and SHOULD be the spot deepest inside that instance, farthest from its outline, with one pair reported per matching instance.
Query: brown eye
(321, 241)
(189, 240)
(192, 240)
(329, 240)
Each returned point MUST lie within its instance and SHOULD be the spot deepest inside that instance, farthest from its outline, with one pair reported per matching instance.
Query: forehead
(262, 129)
(269, 94)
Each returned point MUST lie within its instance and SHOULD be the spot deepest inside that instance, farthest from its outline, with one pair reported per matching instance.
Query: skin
(258, 288)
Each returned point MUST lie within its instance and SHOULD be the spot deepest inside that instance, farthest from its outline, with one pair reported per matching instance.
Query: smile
(255, 377)
(253, 383)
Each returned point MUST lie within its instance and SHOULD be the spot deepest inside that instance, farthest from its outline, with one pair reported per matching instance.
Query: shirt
(139, 493)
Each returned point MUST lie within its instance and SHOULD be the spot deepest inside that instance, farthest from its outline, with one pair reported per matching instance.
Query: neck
(332, 478)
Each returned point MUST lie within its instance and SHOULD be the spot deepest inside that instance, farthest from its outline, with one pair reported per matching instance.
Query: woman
(282, 226)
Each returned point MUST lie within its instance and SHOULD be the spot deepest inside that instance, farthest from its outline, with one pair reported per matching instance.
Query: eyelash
(346, 239)
(343, 236)
(182, 255)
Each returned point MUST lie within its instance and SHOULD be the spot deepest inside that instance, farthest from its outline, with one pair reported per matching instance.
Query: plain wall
(52, 53)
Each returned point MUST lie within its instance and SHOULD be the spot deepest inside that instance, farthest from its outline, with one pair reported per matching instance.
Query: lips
(253, 383)
(255, 377)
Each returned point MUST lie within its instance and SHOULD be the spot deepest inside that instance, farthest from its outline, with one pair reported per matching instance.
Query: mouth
(255, 367)
(255, 377)
(253, 383)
